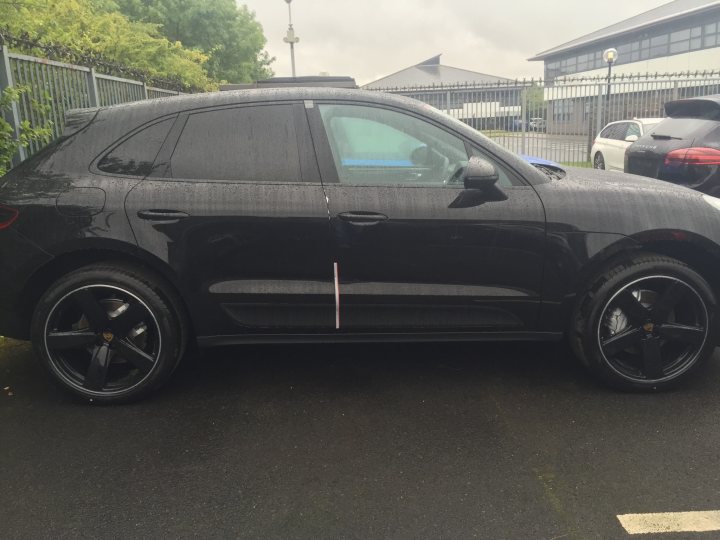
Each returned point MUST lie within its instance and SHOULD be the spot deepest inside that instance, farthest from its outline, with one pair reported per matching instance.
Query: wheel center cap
(108, 336)
(648, 327)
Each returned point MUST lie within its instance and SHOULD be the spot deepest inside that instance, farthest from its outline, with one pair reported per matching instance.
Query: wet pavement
(356, 441)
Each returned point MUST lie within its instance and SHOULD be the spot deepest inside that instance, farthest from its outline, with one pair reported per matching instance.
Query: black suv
(684, 148)
(316, 214)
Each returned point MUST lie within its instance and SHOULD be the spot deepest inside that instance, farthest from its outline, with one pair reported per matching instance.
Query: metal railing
(560, 119)
(56, 87)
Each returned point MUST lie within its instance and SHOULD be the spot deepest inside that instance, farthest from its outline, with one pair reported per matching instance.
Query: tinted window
(242, 144)
(136, 155)
(620, 131)
(378, 146)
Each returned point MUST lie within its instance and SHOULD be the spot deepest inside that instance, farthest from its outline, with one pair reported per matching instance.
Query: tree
(28, 134)
(85, 31)
(230, 36)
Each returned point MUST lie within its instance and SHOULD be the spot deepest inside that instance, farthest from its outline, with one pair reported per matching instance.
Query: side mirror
(631, 138)
(479, 174)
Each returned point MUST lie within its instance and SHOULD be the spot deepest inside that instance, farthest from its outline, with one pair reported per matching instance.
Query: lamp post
(291, 38)
(610, 57)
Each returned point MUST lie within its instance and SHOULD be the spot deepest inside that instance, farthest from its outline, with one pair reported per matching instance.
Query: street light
(610, 57)
(291, 38)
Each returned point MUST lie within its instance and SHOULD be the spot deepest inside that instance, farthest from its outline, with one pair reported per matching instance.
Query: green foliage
(94, 29)
(229, 35)
(9, 143)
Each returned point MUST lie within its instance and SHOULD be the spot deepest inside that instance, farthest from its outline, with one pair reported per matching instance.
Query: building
(681, 36)
(481, 100)
(666, 53)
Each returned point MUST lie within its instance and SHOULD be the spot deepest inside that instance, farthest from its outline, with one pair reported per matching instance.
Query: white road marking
(671, 522)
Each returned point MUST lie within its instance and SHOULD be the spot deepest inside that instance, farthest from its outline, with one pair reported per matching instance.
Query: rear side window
(244, 144)
(135, 156)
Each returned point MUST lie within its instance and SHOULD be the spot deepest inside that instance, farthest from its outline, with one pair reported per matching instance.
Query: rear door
(235, 205)
(414, 250)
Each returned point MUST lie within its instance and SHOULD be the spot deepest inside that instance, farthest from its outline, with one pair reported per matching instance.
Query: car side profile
(318, 215)
(608, 149)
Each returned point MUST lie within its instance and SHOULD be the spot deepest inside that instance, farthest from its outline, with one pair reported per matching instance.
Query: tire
(599, 161)
(646, 323)
(109, 334)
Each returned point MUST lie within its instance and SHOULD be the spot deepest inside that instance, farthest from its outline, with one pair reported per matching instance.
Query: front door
(414, 250)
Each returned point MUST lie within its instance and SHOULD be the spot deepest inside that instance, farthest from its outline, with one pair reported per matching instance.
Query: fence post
(144, 91)
(13, 115)
(93, 89)
(448, 101)
(676, 94)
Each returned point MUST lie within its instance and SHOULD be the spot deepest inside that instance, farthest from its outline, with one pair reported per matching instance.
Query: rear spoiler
(700, 108)
(76, 119)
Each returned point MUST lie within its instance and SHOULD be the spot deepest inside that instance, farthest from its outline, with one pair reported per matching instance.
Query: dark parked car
(317, 215)
(684, 148)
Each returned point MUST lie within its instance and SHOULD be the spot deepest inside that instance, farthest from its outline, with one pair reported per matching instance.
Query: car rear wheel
(108, 334)
(599, 161)
(645, 324)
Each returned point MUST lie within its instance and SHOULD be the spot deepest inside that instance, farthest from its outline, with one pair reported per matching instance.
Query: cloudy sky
(368, 39)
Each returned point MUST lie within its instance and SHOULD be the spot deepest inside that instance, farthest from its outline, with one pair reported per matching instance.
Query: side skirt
(213, 341)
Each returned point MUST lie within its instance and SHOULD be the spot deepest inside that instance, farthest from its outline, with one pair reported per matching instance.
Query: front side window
(382, 147)
(243, 144)
(633, 129)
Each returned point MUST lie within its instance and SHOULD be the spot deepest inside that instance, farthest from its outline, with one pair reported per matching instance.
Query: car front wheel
(645, 324)
(108, 334)
(599, 161)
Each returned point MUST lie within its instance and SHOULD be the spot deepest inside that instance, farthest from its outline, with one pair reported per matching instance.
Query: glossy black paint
(254, 260)
(691, 123)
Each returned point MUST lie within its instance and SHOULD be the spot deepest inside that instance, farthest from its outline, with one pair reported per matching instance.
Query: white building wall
(703, 60)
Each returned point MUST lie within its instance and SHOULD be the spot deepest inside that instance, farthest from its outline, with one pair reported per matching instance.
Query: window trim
(309, 171)
(326, 161)
(94, 169)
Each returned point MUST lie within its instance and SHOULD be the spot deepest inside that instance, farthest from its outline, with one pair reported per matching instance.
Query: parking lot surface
(373, 441)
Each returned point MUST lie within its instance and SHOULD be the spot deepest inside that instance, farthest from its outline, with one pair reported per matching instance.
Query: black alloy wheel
(599, 161)
(653, 329)
(106, 334)
(646, 323)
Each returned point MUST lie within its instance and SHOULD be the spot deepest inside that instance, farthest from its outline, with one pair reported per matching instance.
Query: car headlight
(712, 201)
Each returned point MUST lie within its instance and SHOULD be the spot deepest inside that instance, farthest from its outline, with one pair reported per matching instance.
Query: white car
(608, 150)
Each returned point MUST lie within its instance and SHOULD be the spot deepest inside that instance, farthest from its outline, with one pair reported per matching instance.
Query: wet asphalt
(356, 441)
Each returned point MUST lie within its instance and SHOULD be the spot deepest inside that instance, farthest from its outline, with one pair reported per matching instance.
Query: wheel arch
(72, 259)
(698, 252)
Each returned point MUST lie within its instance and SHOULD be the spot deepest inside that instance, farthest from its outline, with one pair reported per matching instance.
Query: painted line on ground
(671, 522)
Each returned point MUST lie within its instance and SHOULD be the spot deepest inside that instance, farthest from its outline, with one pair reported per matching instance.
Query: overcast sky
(368, 39)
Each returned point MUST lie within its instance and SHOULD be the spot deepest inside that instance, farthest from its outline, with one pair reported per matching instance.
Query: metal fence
(56, 87)
(559, 120)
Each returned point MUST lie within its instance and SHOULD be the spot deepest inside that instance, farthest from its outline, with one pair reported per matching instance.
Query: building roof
(672, 10)
(431, 72)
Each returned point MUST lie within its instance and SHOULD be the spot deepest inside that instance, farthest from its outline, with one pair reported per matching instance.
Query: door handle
(362, 217)
(161, 215)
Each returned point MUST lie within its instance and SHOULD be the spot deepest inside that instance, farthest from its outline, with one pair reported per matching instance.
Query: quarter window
(135, 156)
(244, 144)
